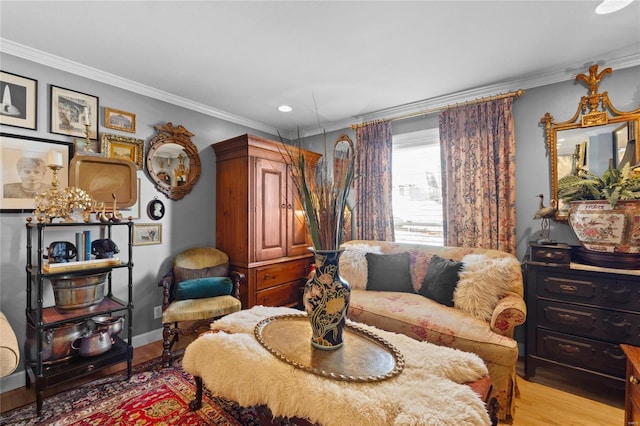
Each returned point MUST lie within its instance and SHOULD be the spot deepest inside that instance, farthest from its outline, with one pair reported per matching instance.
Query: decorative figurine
(545, 213)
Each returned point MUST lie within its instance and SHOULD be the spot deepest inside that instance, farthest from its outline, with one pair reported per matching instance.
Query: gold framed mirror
(596, 137)
(172, 161)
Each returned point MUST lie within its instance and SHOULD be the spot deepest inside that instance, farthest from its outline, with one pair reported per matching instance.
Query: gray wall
(187, 223)
(191, 221)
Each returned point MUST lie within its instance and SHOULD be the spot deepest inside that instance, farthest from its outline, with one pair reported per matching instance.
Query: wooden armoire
(259, 221)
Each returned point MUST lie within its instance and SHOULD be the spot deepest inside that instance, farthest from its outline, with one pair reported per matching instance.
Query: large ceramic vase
(603, 228)
(326, 300)
(610, 237)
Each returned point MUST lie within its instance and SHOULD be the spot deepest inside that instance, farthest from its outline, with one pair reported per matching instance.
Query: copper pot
(112, 325)
(93, 344)
(56, 342)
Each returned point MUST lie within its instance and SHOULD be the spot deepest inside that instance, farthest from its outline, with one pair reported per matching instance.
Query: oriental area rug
(153, 396)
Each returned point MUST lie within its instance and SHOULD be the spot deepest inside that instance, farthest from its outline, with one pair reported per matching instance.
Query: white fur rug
(235, 366)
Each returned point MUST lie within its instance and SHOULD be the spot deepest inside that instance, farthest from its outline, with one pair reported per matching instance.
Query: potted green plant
(614, 185)
(605, 210)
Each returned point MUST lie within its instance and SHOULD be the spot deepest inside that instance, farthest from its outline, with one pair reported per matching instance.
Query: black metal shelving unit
(42, 318)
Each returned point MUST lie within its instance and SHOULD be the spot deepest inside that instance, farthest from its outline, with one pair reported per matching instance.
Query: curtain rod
(517, 93)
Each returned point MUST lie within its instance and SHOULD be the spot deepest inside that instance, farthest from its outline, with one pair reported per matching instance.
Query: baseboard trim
(17, 379)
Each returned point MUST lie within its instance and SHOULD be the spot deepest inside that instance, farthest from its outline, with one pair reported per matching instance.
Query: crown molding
(625, 57)
(40, 57)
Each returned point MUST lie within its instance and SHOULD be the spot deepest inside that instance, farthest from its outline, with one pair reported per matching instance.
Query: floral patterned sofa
(421, 318)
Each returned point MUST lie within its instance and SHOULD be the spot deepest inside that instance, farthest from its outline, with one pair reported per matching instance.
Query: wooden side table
(632, 388)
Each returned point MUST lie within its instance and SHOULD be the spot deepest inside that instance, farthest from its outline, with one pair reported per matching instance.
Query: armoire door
(297, 235)
(271, 209)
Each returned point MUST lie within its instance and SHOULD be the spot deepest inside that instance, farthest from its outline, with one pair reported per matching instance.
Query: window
(417, 194)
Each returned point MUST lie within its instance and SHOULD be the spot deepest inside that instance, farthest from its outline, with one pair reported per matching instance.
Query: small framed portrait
(124, 148)
(155, 209)
(119, 120)
(19, 101)
(147, 233)
(25, 173)
(72, 111)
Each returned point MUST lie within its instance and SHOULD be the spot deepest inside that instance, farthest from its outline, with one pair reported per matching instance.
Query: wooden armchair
(198, 289)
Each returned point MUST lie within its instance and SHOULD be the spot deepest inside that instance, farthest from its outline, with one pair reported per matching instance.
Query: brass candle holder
(55, 203)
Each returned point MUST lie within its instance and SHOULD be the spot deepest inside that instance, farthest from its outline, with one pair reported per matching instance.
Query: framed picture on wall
(119, 120)
(81, 147)
(71, 111)
(19, 101)
(124, 148)
(23, 161)
(147, 233)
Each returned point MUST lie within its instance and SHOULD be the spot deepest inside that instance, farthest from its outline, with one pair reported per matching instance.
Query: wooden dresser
(259, 221)
(632, 387)
(578, 315)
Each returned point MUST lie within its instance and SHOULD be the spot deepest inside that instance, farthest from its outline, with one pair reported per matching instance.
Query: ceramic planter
(602, 228)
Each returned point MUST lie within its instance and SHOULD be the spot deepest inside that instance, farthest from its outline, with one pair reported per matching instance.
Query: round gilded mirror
(172, 161)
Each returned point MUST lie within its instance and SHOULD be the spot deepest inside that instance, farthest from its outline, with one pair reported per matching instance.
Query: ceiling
(336, 63)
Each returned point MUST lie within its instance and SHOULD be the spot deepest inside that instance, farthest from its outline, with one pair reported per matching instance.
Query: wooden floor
(550, 399)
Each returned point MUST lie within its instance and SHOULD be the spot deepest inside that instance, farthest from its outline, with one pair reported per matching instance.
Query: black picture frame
(67, 112)
(13, 147)
(155, 209)
(19, 97)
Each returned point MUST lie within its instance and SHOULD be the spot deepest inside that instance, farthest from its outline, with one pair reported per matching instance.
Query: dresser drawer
(280, 273)
(590, 354)
(556, 254)
(589, 289)
(282, 295)
(620, 327)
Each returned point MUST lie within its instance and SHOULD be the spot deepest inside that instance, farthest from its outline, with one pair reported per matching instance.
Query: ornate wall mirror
(597, 136)
(172, 161)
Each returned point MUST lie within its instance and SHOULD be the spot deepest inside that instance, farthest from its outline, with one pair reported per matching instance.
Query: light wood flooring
(549, 399)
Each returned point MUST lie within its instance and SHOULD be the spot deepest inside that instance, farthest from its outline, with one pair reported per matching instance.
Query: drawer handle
(549, 254)
(568, 319)
(569, 349)
(633, 379)
(90, 367)
(570, 289)
(267, 276)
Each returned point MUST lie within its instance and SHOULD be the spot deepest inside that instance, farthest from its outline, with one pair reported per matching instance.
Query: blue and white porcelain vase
(326, 301)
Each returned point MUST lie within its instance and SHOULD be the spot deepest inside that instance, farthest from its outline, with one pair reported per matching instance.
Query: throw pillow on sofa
(353, 264)
(389, 272)
(483, 281)
(441, 280)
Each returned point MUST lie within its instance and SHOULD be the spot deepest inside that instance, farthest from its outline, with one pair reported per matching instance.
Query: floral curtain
(477, 147)
(373, 212)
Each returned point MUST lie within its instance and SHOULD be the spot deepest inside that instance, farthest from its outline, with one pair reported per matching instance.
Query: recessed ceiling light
(610, 6)
(285, 108)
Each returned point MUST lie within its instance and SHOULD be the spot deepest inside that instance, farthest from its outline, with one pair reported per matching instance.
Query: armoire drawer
(280, 273)
(282, 295)
(591, 354)
(620, 327)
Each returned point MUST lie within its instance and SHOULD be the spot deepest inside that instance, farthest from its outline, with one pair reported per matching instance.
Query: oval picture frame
(155, 209)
